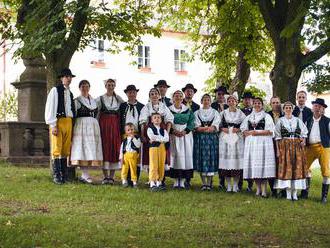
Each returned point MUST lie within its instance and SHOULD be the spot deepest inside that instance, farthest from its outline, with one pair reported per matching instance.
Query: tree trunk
(243, 70)
(54, 67)
(287, 69)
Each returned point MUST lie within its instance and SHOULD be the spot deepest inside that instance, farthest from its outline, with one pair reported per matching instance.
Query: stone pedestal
(24, 143)
(27, 141)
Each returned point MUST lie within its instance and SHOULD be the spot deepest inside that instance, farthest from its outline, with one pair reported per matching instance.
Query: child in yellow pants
(157, 152)
(129, 155)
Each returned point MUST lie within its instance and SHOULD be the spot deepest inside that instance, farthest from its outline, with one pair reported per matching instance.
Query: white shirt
(205, 115)
(136, 142)
(159, 137)
(110, 102)
(132, 119)
(315, 136)
(160, 108)
(52, 104)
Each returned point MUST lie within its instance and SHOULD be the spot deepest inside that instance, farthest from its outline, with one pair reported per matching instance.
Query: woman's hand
(236, 130)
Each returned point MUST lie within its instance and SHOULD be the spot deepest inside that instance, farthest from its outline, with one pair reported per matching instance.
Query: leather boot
(325, 189)
(68, 173)
(57, 177)
(304, 192)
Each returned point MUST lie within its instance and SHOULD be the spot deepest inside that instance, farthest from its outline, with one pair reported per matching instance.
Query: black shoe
(154, 188)
(274, 194)
(57, 176)
(187, 185)
(304, 194)
(283, 193)
(325, 189)
(204, 187)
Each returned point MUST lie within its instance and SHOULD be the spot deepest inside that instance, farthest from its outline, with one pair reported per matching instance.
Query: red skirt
(111, 139)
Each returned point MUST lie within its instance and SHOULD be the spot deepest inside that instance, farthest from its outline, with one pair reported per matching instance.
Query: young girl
(157, 152)
(129, 155)
(206, 142)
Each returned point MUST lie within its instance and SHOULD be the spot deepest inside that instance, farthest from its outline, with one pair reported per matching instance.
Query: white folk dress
(86, 142)
(182, 147)
(259, 154)
(231, 146)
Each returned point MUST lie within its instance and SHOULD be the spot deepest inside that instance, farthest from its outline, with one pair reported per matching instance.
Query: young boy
(129, 155)
(157, 152)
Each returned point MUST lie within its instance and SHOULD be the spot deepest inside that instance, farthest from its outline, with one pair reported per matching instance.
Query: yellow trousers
(317, 151)
(157, 156)
(130, 161)
(61, 143)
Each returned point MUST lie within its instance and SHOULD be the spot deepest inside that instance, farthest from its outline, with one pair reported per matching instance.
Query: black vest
(216, 106)
(60, 107)
(155, 131)
(306, 113)
(194, 106)
(246, 111)
(104, 109)
(84, 111)
(260, 125)
(226, 124)
(285, 133)
(132, 145)
(123, 109)
(324, 130)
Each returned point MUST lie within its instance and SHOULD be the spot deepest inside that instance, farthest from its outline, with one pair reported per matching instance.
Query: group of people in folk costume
(175, 137)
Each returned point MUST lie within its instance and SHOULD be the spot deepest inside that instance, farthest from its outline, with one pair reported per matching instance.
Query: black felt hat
(189, 86)
(66, 72)
(131, 87)
(161, 82)
(320, 101)
(222, 89)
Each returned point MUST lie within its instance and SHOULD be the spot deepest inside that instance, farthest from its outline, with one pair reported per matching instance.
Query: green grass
(36, 213)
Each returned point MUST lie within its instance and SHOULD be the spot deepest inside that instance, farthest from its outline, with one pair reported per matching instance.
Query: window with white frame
(144, 57)
(179, 60)
(98, 47)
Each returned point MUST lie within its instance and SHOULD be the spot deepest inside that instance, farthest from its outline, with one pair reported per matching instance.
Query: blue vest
(155, 131)
(132, 145)
(324, 130)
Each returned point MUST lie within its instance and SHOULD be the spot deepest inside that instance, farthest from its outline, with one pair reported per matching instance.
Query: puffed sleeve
(168, 116)
(51, 107)
(144, 115)
(216, 120)
(98, 102)
(245, 124)
(304, 130)
(77, 104)
(191, 122)
(197, 120)
(269, 123)
(278, 134)
(221, 118)
(242, 116)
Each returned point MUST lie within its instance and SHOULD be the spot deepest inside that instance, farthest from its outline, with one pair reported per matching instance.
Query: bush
(9, 107)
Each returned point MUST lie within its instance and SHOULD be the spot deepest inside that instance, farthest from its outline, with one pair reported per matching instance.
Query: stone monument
(27, 140)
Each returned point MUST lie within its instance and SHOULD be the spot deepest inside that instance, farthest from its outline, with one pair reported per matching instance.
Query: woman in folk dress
(231, 144)
(153, 106)
(109, 119)
(86, 151)
(290, 135)
(206, 142)
(259, 156)
(181, 141)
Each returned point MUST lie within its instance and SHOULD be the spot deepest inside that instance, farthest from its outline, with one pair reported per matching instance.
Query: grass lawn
(36, 213)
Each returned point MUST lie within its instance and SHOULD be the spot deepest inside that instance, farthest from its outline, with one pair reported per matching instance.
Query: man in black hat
(129, 113)
(301, 111)
(189, 91)
(247, 100)
(162, 86)
(59, 112)
(318, 145)
(220, 103)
